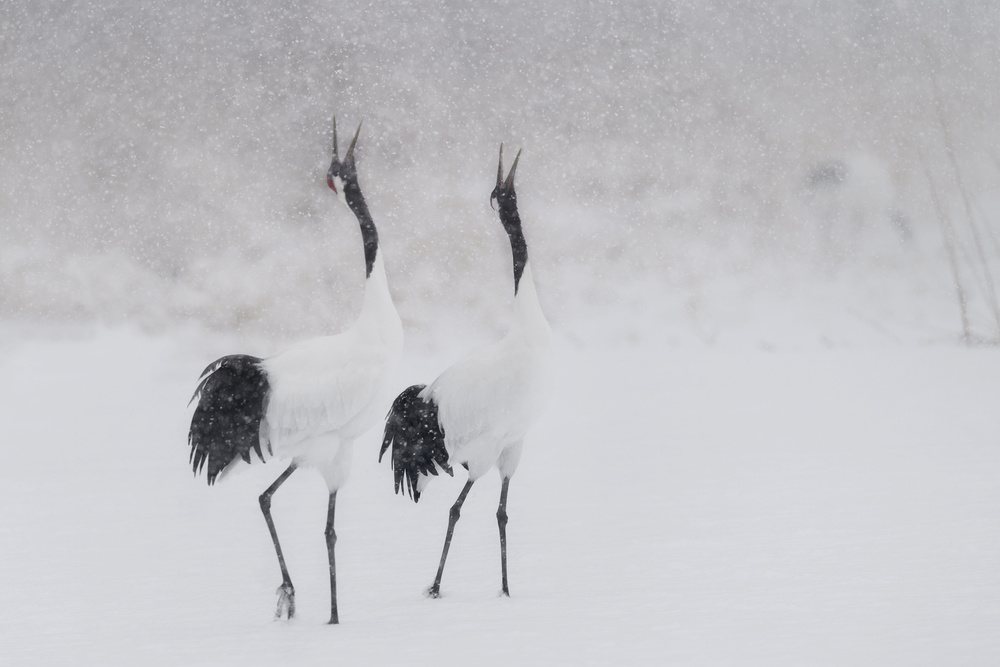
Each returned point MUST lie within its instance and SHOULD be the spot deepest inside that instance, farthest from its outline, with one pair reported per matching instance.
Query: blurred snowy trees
(165, 161)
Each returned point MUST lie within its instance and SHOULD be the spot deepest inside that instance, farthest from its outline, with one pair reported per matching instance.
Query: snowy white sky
(767, 446)
(162, 163)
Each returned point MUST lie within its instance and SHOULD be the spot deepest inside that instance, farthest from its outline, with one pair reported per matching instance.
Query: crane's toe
(434, 592)
(286, 601)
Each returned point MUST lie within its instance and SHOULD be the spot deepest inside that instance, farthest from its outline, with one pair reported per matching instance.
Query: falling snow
(767, 236)
(161, 163)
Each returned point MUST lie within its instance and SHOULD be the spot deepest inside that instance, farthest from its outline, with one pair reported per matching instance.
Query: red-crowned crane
(478, 411)
(310, 402)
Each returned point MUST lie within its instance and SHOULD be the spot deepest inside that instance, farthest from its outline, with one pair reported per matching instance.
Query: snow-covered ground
(768, 446)
(676, 505)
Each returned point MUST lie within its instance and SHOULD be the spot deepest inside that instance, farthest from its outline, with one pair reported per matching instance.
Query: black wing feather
(417, 440)
(232, 396)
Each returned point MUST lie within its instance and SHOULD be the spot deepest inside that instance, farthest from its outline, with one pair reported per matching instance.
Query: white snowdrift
(674, 506)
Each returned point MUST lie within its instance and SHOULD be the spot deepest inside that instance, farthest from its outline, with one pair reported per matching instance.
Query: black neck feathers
(369, 235)
(519, 248)
(512, 224)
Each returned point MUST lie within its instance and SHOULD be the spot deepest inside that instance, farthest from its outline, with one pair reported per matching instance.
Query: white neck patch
(338, 183)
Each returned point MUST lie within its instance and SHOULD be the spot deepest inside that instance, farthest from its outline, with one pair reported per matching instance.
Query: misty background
(741, 172)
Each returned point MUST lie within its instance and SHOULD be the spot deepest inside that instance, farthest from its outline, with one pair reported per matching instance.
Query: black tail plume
(232, 397)
(417, 440)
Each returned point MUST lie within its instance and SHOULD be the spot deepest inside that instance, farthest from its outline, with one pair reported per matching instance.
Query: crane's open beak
(354, 141)
(501, 183)
(335, 139)
(500, 168)
(336, 165)
(331, 172)
(510, 176)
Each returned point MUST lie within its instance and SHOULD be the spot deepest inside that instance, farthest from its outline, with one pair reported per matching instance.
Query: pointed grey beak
(500, 168)
(510, 177)
(354, 141)
(335, 139)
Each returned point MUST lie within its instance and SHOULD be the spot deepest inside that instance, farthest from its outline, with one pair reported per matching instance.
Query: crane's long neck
(378, 314)
(528, 316)
(377, 311)
(356, 200)
(518, 246)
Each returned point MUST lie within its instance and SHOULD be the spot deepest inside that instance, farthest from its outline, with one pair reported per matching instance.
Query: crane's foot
(286, 602)
(434, 592)
(503, 594)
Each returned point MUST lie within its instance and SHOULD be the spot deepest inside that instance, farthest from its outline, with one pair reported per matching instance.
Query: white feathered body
(488, 400)
(327, 391)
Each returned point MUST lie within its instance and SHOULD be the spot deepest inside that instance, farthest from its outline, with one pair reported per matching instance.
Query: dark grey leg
(331, 541)
(456, 510)
(286, 592)
(502, 523)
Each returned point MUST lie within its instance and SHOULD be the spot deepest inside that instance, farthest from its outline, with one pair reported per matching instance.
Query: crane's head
(504, 193)
(506, 199)
(342, 172)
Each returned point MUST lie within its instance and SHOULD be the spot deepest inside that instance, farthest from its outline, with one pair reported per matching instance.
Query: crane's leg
(331, 540)
(502, 523)
(286, 592)
(456, 510)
